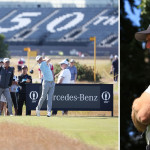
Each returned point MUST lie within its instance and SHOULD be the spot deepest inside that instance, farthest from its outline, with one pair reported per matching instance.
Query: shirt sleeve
(63, 74)
(20, 81)
(75, 70)
(30, 78)
(52, 67)
(148, 90)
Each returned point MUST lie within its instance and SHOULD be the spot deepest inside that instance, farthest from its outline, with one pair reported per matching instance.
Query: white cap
(38, 57)
(64, 62)
(116, 56)
(6, 60)
(72, 60)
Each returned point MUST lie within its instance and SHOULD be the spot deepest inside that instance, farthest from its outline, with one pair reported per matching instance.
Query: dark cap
(24, 66)
(141, 36)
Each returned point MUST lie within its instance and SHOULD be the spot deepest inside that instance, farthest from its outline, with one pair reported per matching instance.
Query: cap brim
(141, 36)
(63, 63)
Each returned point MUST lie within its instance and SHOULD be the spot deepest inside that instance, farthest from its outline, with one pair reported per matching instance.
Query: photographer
(22, 80)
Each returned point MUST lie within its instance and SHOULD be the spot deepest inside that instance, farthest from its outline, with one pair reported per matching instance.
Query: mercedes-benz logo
(33, 95)
(105, 95)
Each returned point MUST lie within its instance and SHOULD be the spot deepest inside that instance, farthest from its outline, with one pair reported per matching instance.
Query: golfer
(141, 105)
(48, 85)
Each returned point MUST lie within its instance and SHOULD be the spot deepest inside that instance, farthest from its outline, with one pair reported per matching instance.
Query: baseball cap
(116, 56)
(24, 66)
(6, 60)
(38, 57)
(67, 59)
(72, 60)
(64, 62)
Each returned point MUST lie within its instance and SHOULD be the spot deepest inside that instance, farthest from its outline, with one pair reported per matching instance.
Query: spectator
(3, 104)
(52, 69)
(48, 85)
(114, 68)
(20, 64)
(65, 75)
(6, 73)
(111, 57)
(13, 90)
(23, 79)
(73, 71)
(64, 78)
(61, 70)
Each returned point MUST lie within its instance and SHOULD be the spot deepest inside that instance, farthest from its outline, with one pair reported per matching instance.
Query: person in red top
(21, 62)
(40, 74)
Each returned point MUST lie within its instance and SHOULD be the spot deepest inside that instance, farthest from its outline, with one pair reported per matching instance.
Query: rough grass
(20, 137)
(100, 132)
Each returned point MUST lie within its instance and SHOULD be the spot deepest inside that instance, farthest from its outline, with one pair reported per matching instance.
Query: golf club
(31, 71)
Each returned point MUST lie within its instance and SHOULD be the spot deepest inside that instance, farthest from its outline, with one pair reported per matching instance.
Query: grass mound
(20, 137)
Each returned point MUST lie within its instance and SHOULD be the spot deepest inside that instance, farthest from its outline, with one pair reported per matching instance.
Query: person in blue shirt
(48, 85)
(73, 71)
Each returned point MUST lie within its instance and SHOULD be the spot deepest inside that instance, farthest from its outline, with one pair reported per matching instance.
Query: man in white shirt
(141, 106)
(65, 75)
(64, 78)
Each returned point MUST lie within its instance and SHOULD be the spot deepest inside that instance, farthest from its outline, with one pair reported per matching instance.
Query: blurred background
(135, 67)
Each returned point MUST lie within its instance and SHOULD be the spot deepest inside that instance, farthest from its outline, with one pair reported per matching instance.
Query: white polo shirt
(66, 75)
(148, 89)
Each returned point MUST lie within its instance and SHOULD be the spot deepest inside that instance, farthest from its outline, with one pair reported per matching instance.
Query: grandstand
(67, 27)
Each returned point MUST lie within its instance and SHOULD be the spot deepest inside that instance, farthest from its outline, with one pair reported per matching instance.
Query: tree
(3, 47)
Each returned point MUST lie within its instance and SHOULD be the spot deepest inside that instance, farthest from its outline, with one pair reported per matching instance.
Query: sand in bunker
(20, 137)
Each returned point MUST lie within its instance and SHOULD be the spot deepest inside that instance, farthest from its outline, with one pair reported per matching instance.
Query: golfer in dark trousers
(6, 78)
(23, 79)
(48, 85)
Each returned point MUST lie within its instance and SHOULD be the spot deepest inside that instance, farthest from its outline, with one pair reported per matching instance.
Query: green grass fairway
(101, 132)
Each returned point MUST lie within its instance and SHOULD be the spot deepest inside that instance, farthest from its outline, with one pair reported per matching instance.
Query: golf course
(79, 130)
(98, 132)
